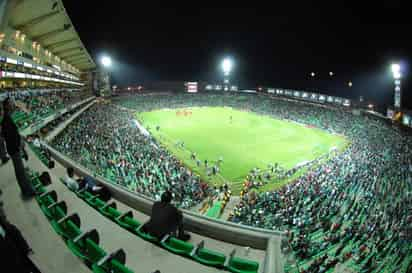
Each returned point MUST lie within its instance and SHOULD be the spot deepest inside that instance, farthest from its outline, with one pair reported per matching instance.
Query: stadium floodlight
(350, 84)
(227, 66)
(106, 61)
(396, 68)
(312, 74)
(331, 73)
(397, 74)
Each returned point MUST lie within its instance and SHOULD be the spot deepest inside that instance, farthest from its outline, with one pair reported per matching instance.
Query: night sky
(274, 46)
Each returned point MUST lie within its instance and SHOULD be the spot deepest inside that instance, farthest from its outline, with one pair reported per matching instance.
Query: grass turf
(249, 141)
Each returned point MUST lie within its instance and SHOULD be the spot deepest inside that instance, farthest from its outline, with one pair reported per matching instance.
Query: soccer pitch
(248, 141)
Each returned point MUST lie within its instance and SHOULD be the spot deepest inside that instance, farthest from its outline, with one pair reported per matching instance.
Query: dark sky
(272, 46)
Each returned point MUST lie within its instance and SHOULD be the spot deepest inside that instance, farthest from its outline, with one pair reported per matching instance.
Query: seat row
(197, 252)
(83, 244)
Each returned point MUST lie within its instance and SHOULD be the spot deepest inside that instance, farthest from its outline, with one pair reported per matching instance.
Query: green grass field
(249, 141)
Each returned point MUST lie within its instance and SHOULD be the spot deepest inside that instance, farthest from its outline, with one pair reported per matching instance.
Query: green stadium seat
(86, 247)
(85, 195)
(47, 198)
(114, 262)
(109, 210)
(67, 227)
(126, 221)
(95, 202)
(209, 257)
(177, 246)
(146, 236)
(55, 211)
(239, 265)
(113, 267)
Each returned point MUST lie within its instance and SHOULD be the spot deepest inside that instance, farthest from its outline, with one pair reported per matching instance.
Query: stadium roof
(47, 22)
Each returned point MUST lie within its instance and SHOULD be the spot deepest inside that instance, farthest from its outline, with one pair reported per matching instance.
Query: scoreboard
(191, 87)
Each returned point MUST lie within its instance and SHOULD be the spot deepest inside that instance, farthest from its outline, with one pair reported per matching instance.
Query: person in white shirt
(70, 181)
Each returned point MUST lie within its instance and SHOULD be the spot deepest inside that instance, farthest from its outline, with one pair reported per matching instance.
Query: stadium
(267, 180)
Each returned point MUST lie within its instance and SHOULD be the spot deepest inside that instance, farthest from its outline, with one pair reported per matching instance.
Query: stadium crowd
(107, 140)
(354, 207)
(34, 105)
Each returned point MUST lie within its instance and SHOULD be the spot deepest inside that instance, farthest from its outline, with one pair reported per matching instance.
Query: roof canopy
(46, 22)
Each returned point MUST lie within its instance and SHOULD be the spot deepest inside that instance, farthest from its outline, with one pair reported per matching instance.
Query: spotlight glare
(106, 61)
(227, 65)
(396, 68)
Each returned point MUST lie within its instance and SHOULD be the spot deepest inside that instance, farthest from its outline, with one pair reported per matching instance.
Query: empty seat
(127, 221)
(239, 265)
(67, 227)
(47, 198)
(114, 262)
(110, 211)
(95, 202)
(113, 266)
(86, 247)
(55, 211)
(83, 194)
(177, 246)
(209, 257)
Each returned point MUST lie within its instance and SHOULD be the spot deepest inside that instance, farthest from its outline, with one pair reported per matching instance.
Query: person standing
(3, 153)
(13, 141)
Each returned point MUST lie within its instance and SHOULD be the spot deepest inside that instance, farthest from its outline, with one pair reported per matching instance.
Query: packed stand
(353, 208)
(33, 105)
(106, 140)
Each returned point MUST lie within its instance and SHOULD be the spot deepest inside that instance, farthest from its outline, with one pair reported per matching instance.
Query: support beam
(78, 61)
(57, 52)
(40, 38)
(55, 45)
(32, 22)
(81, 61)
(68, 57)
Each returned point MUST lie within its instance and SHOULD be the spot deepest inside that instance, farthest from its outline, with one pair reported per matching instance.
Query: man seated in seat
(165, 219)
(90, 185)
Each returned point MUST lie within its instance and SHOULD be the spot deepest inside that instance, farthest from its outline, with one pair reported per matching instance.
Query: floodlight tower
(103, 77)
(396, 73)
(227, 66)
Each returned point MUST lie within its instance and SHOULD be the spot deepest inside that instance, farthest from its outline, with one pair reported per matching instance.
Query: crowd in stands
(355, 207)
(106, 140)
(33, 105)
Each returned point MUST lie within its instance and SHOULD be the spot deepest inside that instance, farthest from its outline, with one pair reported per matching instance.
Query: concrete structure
(39, 46)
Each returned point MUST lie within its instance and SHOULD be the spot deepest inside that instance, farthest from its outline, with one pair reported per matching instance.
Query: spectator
(165, 219)
(89, 184)
(70, 181)
(14, 148)
(3, 152)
